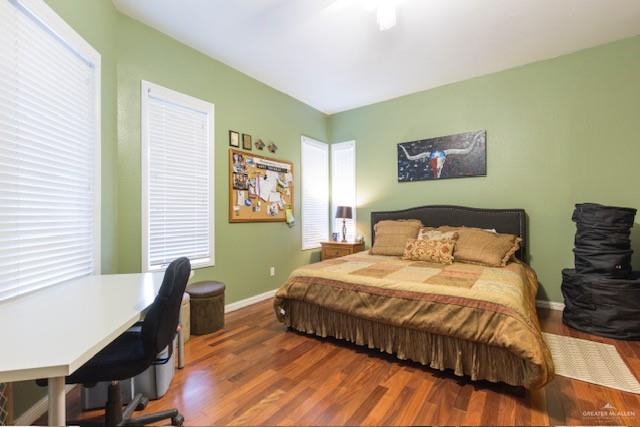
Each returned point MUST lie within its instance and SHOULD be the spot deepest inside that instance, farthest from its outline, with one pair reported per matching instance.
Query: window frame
(59, 29)
(193, 103)
(323, 145)
(334, 223)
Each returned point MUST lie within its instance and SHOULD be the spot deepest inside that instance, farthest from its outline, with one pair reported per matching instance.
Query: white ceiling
(331, 55)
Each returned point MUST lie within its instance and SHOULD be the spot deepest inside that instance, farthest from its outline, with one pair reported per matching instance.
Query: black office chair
(134, 351)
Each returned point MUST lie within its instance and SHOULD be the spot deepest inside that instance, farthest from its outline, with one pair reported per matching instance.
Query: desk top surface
(53, 331)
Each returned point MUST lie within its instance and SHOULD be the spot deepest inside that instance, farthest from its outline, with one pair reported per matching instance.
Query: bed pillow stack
(443, 245)
(392, 236)
(478, 246)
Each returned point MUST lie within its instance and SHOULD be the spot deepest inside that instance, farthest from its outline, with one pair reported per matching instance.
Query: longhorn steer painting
(452, 156)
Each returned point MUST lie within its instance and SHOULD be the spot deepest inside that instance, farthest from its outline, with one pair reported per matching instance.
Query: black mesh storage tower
(602, 293)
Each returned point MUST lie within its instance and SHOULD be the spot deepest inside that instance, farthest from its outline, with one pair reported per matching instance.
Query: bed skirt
(476, 360)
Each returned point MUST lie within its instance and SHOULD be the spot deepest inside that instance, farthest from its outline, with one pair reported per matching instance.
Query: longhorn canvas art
(452, 156)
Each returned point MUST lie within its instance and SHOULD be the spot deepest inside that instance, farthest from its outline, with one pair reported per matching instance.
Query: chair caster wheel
(142, 404)
(177, 421)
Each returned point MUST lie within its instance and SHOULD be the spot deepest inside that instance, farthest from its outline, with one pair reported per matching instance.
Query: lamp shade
(344, 212)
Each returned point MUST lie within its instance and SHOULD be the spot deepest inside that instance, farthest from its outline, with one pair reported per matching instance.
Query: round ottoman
(207, 307)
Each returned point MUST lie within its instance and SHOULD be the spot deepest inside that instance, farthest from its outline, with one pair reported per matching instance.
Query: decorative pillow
(427, 233)
(440, 251)
(392, 236)
(478, 246)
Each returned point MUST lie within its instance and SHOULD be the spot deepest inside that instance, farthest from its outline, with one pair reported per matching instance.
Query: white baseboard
(249, 301)
(552, 305)
(38, 409)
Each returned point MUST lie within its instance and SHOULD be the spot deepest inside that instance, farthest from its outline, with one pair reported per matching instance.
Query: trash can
(153, 383)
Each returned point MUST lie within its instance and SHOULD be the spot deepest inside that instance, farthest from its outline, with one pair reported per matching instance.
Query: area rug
(592, 362)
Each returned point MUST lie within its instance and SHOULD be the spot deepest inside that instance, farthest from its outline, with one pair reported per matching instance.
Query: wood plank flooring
(255, 372)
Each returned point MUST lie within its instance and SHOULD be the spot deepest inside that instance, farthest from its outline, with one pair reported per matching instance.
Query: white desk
(52, 332)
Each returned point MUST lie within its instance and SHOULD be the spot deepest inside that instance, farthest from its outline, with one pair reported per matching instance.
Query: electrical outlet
(272, 271)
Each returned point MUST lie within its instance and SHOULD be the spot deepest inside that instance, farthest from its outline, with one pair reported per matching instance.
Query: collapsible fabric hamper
(602, 243)
(602, 293)
(602, 306)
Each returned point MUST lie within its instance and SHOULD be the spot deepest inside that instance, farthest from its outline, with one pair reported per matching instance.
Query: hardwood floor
(255, 372)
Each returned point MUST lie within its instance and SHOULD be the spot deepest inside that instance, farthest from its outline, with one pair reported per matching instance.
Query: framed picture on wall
(234, 139)
(453, 156)
(246, 141)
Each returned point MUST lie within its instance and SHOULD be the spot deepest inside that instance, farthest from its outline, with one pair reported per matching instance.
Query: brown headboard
(512, 221)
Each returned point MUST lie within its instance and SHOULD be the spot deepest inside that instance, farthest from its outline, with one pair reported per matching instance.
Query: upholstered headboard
(512, 221)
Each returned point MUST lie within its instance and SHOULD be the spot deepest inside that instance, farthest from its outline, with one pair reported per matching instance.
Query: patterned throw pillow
(438, 251)
(428, 233)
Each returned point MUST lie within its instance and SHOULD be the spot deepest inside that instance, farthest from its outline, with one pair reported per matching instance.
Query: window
(49, 150)
(177, 178)
(315, 192)
(343, 185)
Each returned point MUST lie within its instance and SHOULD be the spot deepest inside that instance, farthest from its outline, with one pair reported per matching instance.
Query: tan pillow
(428, 233)
(440, 251)
(392, 236)
(477, 246)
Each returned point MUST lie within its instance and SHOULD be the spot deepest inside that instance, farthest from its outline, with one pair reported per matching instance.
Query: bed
(473, 320)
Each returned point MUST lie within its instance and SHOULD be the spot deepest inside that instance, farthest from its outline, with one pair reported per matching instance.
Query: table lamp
(345, 213)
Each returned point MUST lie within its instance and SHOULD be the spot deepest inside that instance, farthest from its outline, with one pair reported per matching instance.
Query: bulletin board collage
(260, 188)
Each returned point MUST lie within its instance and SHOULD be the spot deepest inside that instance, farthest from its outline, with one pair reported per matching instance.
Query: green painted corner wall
(132, 52)
(559, 132)
(244, 252)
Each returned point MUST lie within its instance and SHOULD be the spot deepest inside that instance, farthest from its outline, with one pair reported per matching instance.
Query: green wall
(244, 252)
(132, 52)
(561, 131)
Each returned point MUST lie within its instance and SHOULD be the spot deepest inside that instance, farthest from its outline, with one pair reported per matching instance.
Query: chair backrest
(161, 321)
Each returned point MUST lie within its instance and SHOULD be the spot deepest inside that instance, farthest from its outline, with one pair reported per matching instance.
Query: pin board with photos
(260, 188)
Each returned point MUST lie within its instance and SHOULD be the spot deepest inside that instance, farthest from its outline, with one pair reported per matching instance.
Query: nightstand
(337, 249)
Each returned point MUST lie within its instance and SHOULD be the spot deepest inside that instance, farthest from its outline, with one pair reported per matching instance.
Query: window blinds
(315, 192)
(343, 185)
(49, 150)
(177, 178)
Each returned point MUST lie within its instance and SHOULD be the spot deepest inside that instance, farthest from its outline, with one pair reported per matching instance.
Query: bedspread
(491, 307)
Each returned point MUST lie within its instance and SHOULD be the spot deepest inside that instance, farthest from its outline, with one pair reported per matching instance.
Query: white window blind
(315, 192)
(49, 150)
(343, 185)
(177, 193)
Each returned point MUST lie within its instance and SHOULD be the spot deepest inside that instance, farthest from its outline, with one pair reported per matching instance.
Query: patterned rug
(592, 362)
